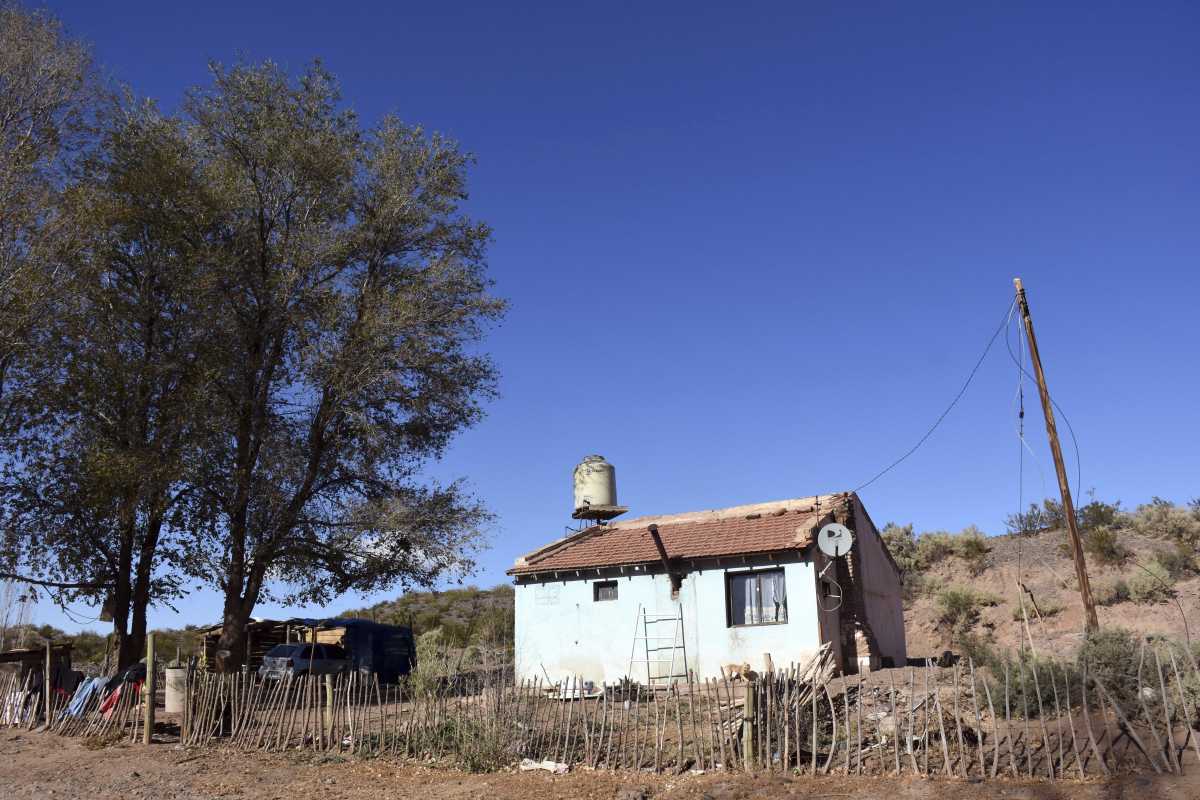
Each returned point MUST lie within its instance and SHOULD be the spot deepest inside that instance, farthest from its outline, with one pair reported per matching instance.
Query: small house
(656, 598)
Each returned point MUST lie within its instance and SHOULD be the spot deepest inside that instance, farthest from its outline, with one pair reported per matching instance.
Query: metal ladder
(677, 647)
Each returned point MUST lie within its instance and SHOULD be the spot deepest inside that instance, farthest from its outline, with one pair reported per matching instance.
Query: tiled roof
(742, 530)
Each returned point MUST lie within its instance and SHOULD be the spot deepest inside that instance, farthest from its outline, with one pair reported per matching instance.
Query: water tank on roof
(595, 485)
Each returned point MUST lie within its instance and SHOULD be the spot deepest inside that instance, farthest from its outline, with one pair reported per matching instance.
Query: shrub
(1164, 520)
(1028, 522)
(1109, 594)
(902, 544)
(1104, 545)
(1111, 654)
(971, 546)
(1046, 608)
(934, 546)
(960, 607)
(1178, 562)
(1098, 514)
(1151, 583)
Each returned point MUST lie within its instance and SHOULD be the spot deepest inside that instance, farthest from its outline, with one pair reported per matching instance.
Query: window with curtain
(756, 598)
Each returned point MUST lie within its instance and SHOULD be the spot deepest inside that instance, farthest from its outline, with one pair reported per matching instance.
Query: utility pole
(1085, 586)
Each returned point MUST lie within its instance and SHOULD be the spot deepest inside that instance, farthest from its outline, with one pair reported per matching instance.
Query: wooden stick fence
(961, 721)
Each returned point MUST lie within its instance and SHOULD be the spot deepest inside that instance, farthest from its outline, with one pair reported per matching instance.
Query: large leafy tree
(109, 404)
(349, 294)
(47, 91)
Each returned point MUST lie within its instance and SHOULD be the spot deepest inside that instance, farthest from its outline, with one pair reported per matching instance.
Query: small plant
(1151, 583)
(1045, 609)
(1111, 593)
(1162, 519)
(960, 607)
(1178, 562)
(902, 544)
(1111, 654)
(1098, 514)
(934, 546)
(1104, 545)
(971, 546)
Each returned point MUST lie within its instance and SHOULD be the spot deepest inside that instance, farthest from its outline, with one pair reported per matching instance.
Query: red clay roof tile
(742, 530)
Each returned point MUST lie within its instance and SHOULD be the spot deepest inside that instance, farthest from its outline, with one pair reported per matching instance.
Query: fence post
(46, 688)
(748, 721)
(148, 690)
(329, 705)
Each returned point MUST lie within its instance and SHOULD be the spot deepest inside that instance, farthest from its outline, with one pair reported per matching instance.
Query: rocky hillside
(1143, 579)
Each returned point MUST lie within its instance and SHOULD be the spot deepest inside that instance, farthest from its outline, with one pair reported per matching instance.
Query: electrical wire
(1057, 407)
(1001, 329)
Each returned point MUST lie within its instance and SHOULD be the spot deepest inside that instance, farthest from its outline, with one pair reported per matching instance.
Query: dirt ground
(37, 765)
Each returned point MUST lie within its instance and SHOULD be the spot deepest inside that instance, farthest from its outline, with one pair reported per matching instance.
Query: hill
(963, 591)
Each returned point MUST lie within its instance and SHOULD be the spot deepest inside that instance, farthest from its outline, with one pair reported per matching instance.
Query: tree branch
(12, 576)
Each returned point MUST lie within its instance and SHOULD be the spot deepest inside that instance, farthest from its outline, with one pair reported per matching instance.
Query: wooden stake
(148, 724)
(1068, 508)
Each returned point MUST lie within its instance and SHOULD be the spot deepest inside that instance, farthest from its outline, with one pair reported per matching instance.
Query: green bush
(1047, 516)
(971, 546)
(960, 607)
(1111, 655)
(1104, 545)
(902, 544)
(934, 546)
(1163, 519)
(1110, 593)
(1098, 514)
(1151, 583)
(1179, 562)
(1047, 608)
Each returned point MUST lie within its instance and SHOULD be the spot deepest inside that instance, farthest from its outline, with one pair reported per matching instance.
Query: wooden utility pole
(1085, 586)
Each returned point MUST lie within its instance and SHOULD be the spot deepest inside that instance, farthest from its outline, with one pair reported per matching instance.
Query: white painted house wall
(560, 629)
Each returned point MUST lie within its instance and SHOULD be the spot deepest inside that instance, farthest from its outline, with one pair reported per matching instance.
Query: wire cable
(1001, 329)
(1058, 408)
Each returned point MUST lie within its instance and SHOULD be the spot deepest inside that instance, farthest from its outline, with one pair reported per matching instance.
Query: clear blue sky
(753, 249)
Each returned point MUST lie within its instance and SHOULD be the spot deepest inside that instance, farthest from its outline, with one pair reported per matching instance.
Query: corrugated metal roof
(783, 525)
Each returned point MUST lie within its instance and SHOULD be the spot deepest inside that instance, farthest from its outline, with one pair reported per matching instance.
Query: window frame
(598, 585)
(730, 575)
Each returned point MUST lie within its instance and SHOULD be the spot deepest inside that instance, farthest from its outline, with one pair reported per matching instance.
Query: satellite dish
(835, 540)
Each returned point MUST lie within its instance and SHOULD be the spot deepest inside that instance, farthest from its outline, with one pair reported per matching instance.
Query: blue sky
(753, 249)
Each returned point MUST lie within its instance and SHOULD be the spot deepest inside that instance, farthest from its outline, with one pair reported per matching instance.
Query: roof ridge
(775, 508)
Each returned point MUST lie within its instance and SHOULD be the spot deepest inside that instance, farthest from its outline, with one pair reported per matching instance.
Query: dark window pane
(606, 590)
(741, 599)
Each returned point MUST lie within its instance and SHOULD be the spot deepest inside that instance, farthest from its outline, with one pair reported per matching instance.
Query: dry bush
(960, 607)
(1151, 583)
(1104, 545)
(1162, 519)
(1111, 592)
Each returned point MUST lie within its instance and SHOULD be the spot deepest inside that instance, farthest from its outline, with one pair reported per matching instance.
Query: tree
(349, 292)
(95, 483)
(47, 90)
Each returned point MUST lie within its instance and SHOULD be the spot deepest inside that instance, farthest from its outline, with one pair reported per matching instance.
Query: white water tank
(176, 689)
(595, 483)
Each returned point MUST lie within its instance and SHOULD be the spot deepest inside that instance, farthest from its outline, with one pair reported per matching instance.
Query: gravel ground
(35, 765)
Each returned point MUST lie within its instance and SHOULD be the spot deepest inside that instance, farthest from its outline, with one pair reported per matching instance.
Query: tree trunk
(231, 646)
(140, 602)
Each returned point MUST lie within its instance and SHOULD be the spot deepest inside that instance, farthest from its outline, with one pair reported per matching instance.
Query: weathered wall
(560, 628)
(881, 591)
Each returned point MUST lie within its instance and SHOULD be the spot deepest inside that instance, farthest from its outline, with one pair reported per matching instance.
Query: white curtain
(774, 597)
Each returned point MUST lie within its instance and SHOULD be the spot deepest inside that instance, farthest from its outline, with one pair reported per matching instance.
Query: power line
(1058, 408)
(1002, 327)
